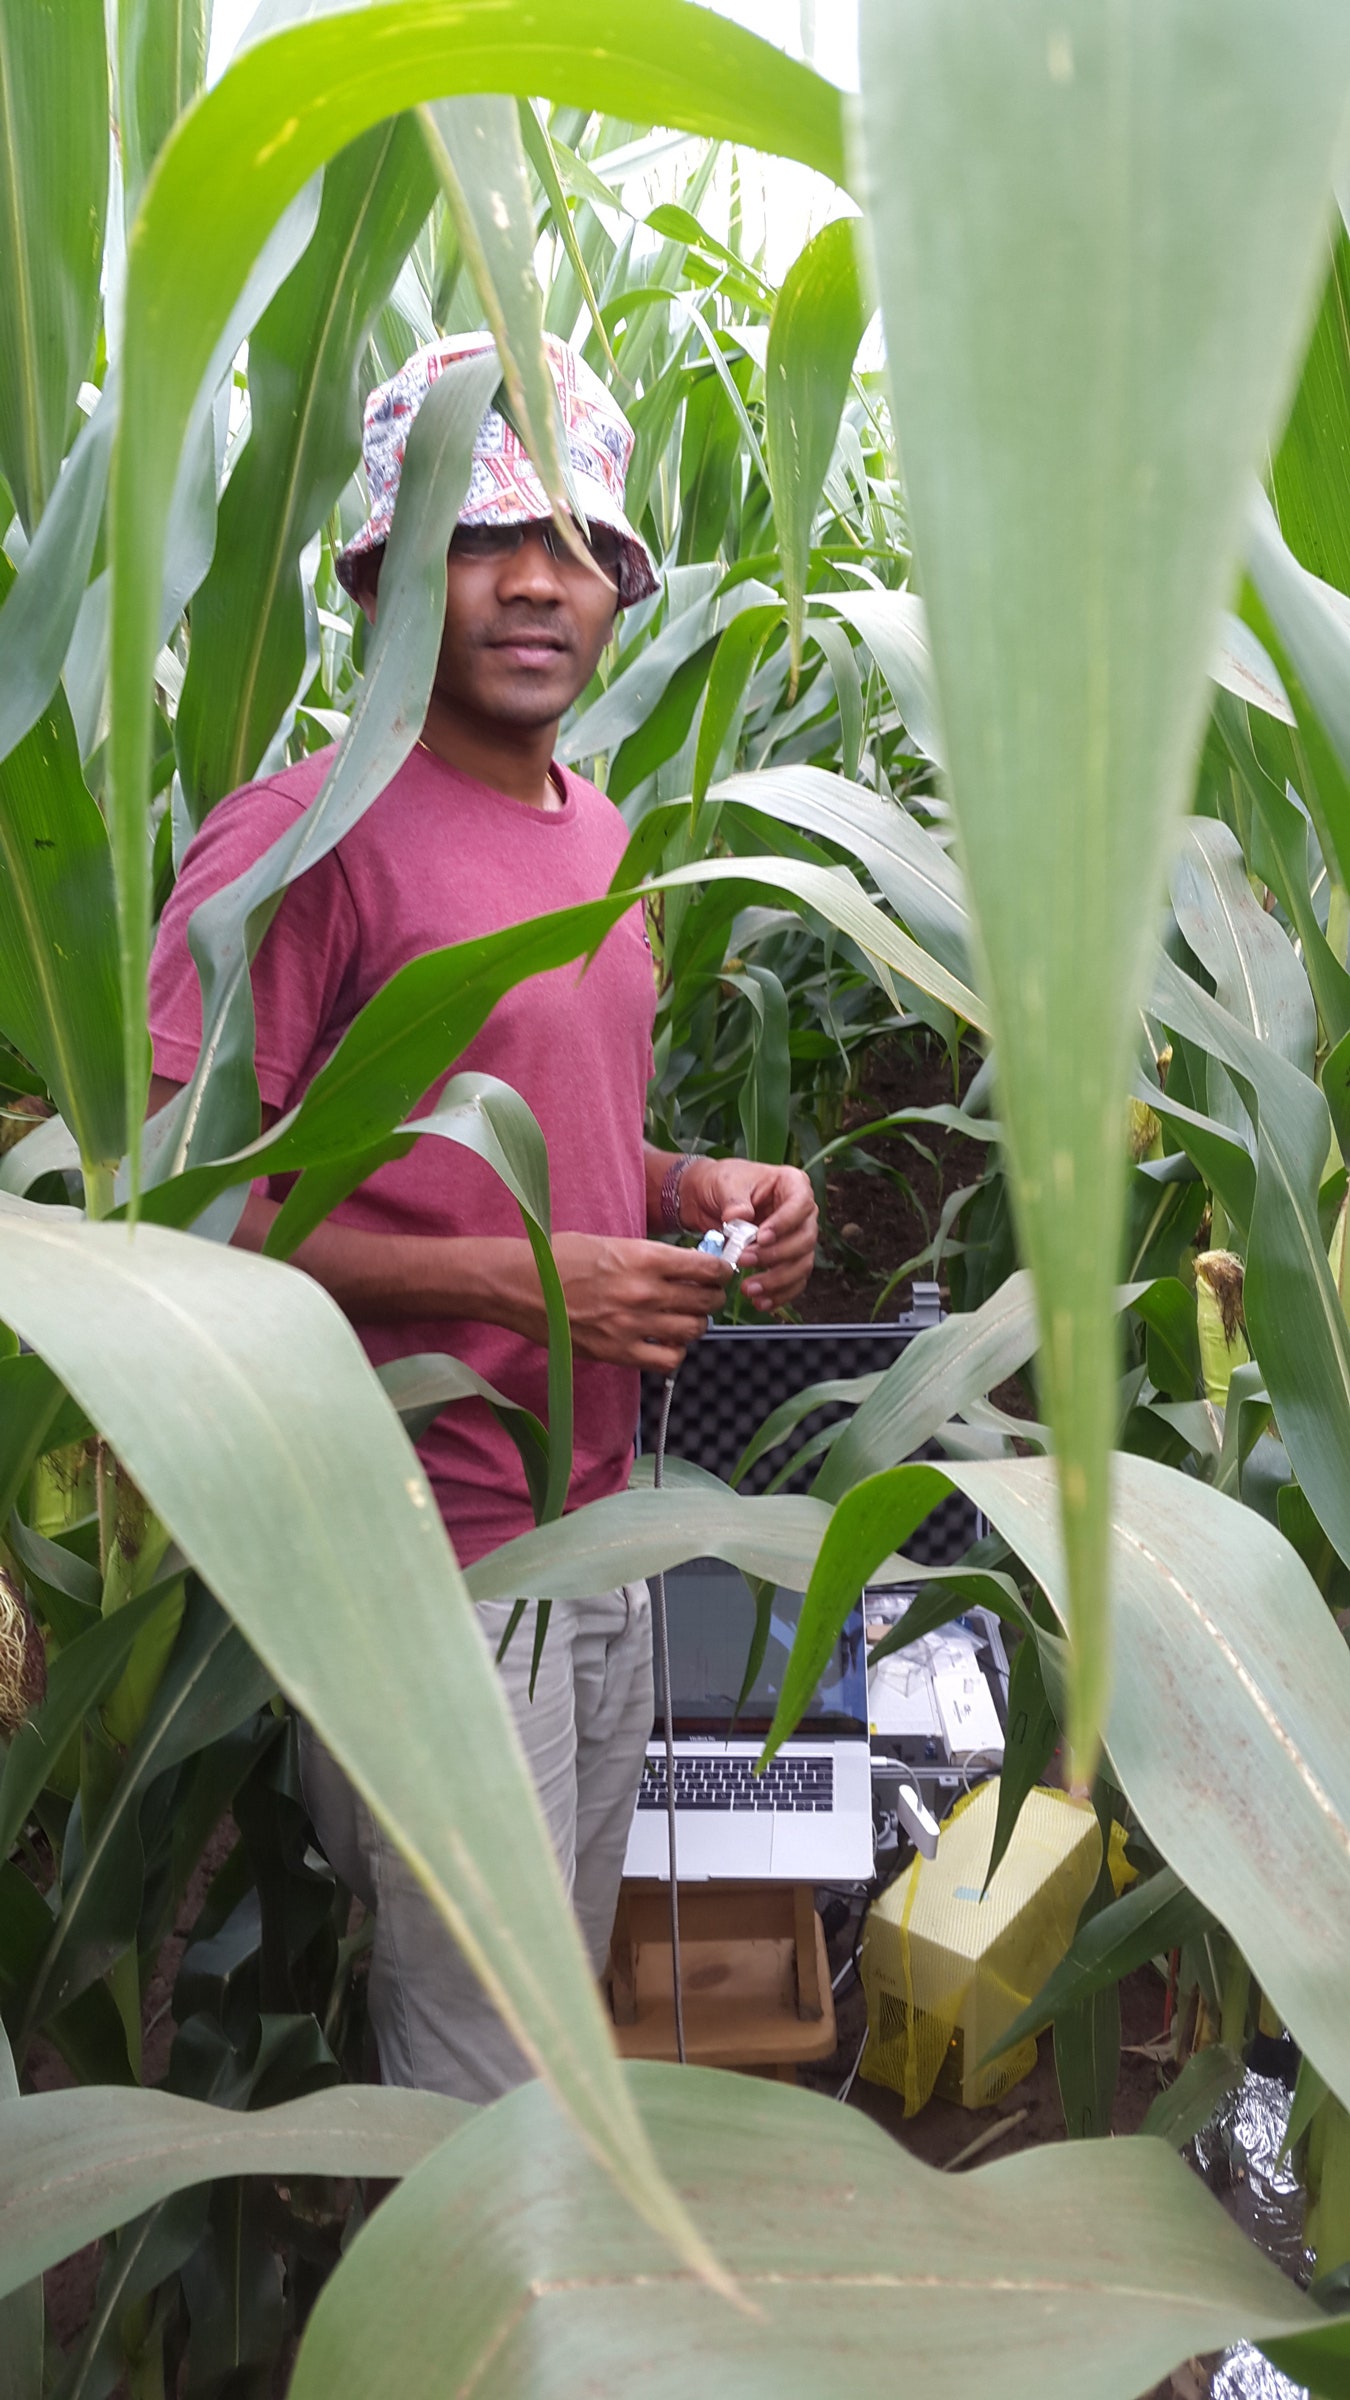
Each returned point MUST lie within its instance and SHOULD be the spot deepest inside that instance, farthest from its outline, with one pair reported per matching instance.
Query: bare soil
(873, 1225)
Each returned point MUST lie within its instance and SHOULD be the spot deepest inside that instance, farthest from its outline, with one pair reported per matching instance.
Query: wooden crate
(756, 1976)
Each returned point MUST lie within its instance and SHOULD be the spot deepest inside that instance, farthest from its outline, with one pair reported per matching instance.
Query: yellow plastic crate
(946, 1972)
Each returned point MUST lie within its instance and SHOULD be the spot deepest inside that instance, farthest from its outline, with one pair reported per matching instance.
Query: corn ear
(1145, 1132)
(23, 1661)
(1219, 1321)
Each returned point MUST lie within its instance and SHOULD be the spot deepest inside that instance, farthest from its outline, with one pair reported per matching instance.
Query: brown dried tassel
(23, 1660)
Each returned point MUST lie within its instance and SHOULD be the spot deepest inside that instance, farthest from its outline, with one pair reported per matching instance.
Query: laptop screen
(711, 1619)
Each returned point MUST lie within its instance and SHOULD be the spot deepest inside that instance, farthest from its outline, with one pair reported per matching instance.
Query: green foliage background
(909, 754)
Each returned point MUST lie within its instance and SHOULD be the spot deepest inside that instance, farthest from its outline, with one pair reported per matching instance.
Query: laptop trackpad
(730, 1846)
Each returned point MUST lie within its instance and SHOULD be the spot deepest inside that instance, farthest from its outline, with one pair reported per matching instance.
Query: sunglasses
(495, 541)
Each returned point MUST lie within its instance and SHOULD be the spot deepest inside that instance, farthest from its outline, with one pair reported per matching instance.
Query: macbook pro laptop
(808, 1818)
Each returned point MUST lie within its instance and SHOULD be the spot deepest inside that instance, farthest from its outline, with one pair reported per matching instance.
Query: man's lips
(530, 647)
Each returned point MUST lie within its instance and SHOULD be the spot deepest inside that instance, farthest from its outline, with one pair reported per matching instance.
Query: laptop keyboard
(794, 1786)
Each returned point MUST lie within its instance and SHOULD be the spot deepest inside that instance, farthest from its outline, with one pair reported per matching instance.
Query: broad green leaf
(1208, 1709)
(504, 2264)
(22, 2319)
(81, 1675)
(58, 962)
(67, 1589)
(640, 1533)
(543, 157)
(484, 1115)
(1311, 621)
(32, 1404)
(911, 869)
(1172, 1342)
(41, 605)
(1087, 2063)
(1243, 667)
(212, 1372)
(1222, 1154)
(39, 618)
(428, 1012)
(717, 441)
(161, 66)
(835, 895)
(685, 228)
(784, 1420)
(421, 1386)
(1154, 1916)
(1077, 449)
(938, 1371)
(475, 148)
(1249, 958)
(90, 2034)
(972, 1587)
(734, 661)
(1205, 1709)
(304, 360)
(880, 1515)
(286, 105)
(895, 629)
(1309, 2093)
(1295, 1320)
(220, 1103)
(1319, 2359)
(53, 190)
(50, 1149)
(631, 698)
(765, 1093)
(660, 746)
(1264, 761)
(1033, 1730)
(77, 2164)
(1310, 472)
(402, 1040)
(1177, 2114)
(843, 666)
(817, 323)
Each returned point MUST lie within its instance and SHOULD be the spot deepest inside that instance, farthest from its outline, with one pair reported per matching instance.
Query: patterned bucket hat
(504, 488)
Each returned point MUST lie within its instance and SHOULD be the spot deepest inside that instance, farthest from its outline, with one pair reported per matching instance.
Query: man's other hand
(636, 1304)
(780, 1203)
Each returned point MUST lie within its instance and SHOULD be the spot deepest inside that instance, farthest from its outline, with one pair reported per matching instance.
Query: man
(480, 829)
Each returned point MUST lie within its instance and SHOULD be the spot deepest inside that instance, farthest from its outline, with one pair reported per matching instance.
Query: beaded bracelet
(670, 1192)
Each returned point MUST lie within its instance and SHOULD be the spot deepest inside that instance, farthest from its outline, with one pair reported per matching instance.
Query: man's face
(523, 630)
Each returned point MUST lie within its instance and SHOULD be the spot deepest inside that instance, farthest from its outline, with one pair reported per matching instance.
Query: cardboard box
(946, 1972)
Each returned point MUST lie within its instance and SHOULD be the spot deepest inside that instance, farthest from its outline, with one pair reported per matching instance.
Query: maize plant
(1005, 692)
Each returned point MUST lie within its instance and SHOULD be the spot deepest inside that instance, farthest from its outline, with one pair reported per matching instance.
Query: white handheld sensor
(735, 1238)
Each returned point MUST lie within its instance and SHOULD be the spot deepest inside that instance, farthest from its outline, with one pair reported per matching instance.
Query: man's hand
(637, 1304)
(781, 1205)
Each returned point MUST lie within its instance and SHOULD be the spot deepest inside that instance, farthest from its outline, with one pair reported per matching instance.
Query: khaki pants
(585, 1735)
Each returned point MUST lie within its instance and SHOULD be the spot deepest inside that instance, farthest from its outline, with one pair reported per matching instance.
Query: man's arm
(634, 1304)
(778, 1200)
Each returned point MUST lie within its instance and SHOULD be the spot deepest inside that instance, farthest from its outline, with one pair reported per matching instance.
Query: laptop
(808, 1818)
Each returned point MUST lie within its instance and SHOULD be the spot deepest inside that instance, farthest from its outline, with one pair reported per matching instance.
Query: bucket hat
(504, 488)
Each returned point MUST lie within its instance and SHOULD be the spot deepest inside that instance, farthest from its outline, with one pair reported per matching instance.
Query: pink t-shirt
(439, 858)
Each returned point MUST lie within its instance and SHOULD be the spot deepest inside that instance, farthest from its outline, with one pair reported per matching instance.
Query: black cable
(668, 1727)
